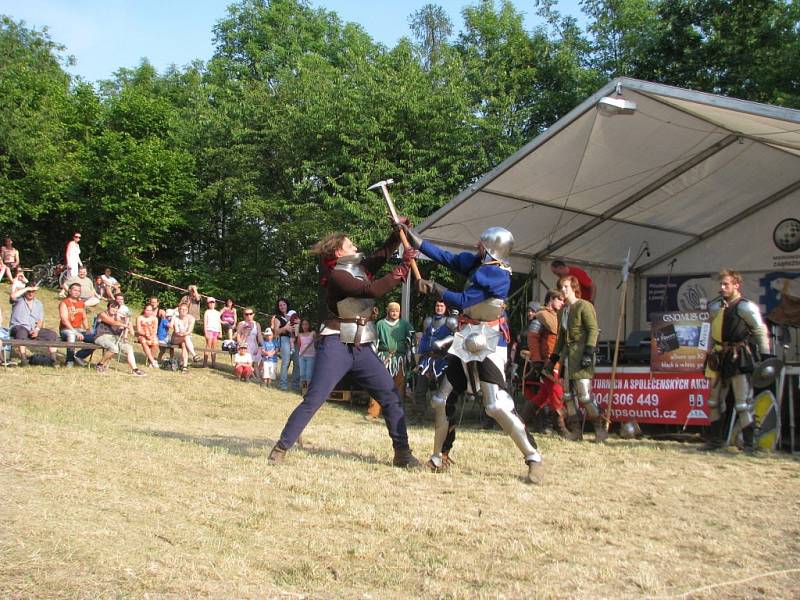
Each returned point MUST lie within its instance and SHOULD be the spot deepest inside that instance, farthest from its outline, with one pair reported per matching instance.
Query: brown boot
(373, 410)
(600, 433)
(535, 473)
(405, 459)
(276, 456)
(559, 426)
(575, 425)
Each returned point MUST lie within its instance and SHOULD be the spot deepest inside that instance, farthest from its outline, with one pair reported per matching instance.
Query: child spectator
(182, 326)
(243, 362)
(228, 317)
(163, 333)
(212, 328)
(306, 352)
(147, 330)
(269, 353)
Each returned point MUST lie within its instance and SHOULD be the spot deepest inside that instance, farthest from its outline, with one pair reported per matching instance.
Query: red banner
(645, 397)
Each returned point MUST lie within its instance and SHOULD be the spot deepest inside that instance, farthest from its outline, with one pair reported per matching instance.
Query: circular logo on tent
(787, 235)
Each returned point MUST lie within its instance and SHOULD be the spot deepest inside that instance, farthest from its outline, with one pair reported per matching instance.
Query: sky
(104, 35)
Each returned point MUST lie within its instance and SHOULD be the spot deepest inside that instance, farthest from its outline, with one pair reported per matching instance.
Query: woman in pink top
(229, 318)
(306, 352)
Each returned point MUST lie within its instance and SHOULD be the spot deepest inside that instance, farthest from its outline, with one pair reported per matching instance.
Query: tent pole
(620, 321)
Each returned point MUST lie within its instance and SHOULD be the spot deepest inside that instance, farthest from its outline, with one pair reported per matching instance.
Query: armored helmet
(498, 242)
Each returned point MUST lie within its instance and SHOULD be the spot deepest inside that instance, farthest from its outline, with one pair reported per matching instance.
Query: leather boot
(277, 455)
(575, 425)
(600, 433)
(405, 459)
(714, 436)
(559, 426)
(373, 410)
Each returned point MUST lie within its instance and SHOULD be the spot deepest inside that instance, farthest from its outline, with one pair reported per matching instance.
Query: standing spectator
(228, 317)
(73, 255)
(182, 326)
(110, 284)
(88, 294)
(294, 319)
(27, 322)
(192, 300)
(112, 335)
(306, 352)
(269, 357)
(10, 258)
(243, 363)
(248, 332)
(147, 330)
(395, 343)
(282, 328)
(588, 288)
(124, 313)
(75, 324)
(212, 328)
(20, 281)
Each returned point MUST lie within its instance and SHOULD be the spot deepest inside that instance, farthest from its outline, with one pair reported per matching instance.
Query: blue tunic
(429, 362)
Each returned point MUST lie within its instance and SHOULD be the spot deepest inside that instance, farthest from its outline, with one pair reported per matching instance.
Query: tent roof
(682, 168)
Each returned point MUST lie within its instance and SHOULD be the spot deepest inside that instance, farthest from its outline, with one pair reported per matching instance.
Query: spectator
(6, 349)
(10, 257)
(182, 326)
(124, 313)
(212, 328)
(147, 330)
(588, 289)
(110, 284)
(294, 320)
(192, 300)
(100, 288)
(20, 281)
(163, 333)
(74, 325)
(73, 255)
(306, 352)
(112, 335)
(88, 295)
(243, 363)
(282, 328)
(228, 317)
(158, 312)
(248, 332)
(27, 322)
(269, 357)
(395, 337)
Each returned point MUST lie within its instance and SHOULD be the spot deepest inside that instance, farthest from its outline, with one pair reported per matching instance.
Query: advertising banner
(675, 399)
(678, 293)
(679, 341)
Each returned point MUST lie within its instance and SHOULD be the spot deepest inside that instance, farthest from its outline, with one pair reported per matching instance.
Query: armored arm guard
(751, 315)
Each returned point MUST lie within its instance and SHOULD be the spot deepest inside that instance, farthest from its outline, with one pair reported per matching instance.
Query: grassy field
(114, 486)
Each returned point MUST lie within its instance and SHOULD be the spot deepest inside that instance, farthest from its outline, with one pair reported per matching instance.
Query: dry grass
(158, 487)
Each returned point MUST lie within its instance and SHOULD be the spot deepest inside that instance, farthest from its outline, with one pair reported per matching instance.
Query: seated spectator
(243, 362)
(192, 300)
(110, 284)
(158, 312)
(124, 313)
(10, 260)
(181, 328)
(248, 332)
(27, 322)
(74, 326)
(147, 330)
(88, 295)
(212, 328)
(100, 288)
(269, 357)
(306, 352)
(4, 335)
(228, 317)
(111, 334)
(163, 333)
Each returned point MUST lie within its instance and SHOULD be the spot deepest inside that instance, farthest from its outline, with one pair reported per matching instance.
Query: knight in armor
(437, 332)
(575, 350)
(346, 338)
(735, 324)
(478, 354)
(542, 334)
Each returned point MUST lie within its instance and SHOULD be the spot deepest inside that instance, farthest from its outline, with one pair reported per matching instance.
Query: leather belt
(335, 323)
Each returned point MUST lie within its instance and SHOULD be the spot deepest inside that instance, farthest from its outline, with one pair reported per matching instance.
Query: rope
(706, 588)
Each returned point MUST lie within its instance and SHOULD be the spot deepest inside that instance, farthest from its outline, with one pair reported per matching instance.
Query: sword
(384, 185)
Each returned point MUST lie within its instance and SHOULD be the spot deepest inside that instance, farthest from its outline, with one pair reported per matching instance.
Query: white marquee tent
(693, 180)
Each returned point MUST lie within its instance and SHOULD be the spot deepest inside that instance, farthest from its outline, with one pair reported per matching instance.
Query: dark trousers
(334, 361)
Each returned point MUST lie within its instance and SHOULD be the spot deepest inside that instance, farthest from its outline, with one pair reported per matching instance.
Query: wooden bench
(42, 344)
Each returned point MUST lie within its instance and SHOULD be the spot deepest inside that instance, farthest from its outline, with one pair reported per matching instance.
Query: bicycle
(51, 274)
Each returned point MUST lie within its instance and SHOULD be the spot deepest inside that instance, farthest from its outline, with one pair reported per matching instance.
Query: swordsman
(346, 339)
(479, 351)
(736, 322)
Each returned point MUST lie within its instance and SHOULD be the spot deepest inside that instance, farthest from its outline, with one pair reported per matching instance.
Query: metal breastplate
(352, 308)
(487, 310)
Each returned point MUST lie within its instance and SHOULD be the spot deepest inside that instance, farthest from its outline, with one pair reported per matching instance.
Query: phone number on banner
(672, 398)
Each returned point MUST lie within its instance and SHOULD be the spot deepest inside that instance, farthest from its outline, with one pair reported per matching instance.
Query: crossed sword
(384, 185)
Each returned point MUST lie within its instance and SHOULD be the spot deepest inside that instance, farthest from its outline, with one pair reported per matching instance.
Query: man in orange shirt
(74, 324)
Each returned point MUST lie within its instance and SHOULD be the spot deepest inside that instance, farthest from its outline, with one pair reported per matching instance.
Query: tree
(431, 27)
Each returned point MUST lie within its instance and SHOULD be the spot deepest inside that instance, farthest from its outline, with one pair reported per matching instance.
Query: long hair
(573, 283)
(277, 306)
(328, 245)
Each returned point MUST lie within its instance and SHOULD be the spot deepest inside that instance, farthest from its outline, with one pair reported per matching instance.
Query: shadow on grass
(255, 447)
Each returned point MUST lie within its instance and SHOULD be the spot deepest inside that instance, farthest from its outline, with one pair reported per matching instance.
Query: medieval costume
(395, 348)
(436, 328)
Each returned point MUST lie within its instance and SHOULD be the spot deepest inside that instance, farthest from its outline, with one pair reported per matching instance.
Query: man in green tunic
(575, 348)
(395, 346)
